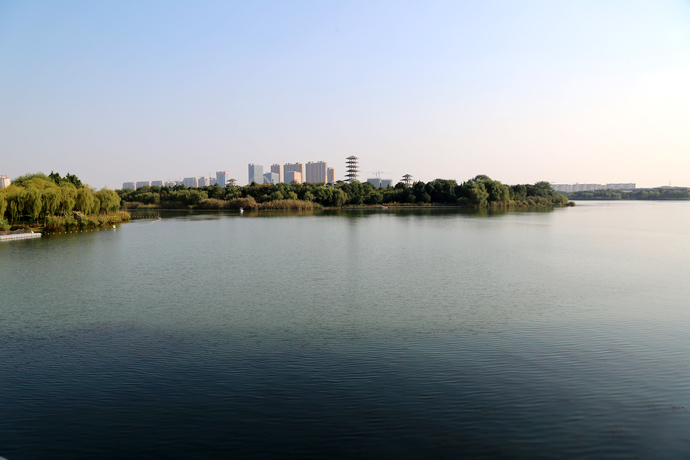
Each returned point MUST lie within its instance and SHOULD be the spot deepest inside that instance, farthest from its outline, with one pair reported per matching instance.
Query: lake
(418, 333)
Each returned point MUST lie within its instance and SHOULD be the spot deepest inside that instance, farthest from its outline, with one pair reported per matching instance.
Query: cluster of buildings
(4, 181)
(585, 187)
(222, 178)
(313, 172)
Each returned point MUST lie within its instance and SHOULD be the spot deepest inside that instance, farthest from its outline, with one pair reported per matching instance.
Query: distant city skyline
(565, 92)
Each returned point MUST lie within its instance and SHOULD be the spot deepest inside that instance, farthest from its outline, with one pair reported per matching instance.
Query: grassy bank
(78, 220)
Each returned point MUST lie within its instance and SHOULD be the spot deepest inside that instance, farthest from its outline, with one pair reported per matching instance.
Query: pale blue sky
(580, 91)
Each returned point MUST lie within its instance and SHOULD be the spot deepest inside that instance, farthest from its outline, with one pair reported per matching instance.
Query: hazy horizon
(580, 92)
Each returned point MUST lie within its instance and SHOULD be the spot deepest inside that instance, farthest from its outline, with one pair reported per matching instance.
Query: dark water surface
(373, 334)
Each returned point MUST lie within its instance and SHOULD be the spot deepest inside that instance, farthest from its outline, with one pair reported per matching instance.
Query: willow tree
(3, 205)
(32, 202)
(51, 202)
(68, 198)
(84, 201)
(15, 202)
(109, 200)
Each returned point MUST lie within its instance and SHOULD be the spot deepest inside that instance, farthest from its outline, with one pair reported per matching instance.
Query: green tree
(74, 180)
(55, 177)
(51, 201)
(3, 205)
(339, 197)
(478, 195)
(84, 201)
(68, 199)
(276, 196)
(109, 201)
(15, 202)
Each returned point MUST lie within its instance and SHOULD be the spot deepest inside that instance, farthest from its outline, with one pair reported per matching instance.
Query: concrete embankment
(19, 236)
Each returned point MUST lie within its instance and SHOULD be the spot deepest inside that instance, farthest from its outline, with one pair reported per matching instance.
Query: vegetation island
(479, 192)
(38, 202)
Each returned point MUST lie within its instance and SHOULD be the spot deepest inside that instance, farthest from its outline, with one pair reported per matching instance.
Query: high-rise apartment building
(190, 181)
(315, 172)
(330, 173)
(256, 174)
(296, 167)
(5, 181)
(293, 176)
(279, 170)
(143, 183)
(129, 185)
(222, 178)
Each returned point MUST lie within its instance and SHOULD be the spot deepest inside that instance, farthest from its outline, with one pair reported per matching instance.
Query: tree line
(34, 197)
(478, 192)
(644, 194)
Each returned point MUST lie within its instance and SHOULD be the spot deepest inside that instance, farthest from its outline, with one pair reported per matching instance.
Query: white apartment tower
(316, 172)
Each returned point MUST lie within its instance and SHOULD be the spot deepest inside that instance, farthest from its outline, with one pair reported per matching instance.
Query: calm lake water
(373, 334)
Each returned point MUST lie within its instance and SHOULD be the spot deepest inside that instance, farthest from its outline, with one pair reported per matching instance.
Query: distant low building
(143, 183)
(271, 178)
(569, 188)
(190, 181)
(562, 187)
(5, 181)
(129, 186)
(380, 183)
(624, 187)
(293, 176)
(157, 183)
(276, 168)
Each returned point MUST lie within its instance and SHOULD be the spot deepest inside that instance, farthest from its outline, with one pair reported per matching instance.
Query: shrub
(290, 204)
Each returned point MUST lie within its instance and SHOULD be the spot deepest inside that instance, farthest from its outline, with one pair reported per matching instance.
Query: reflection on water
(354, 212)
(414, 333)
